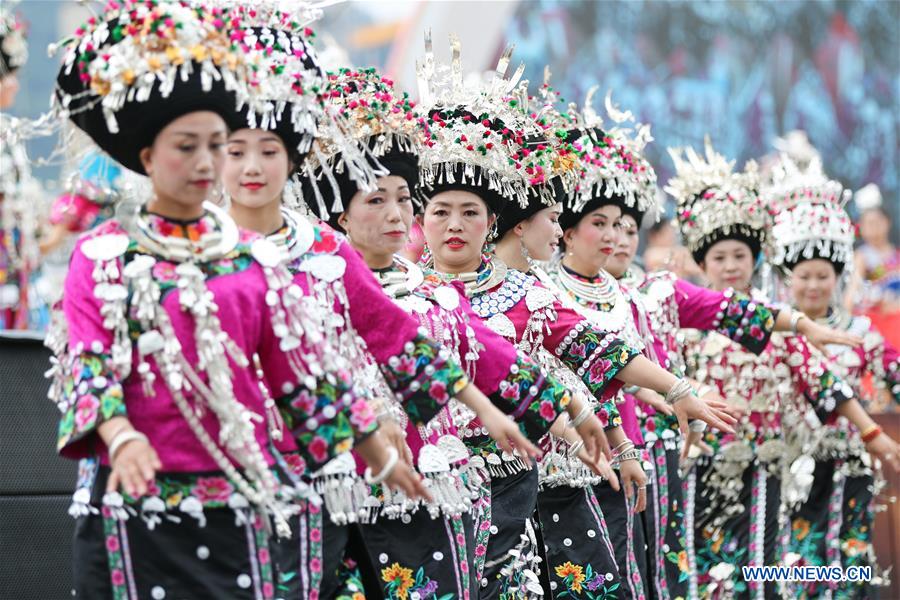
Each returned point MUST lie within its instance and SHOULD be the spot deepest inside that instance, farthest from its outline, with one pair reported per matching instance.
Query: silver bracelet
(122, 438)
(625, 446)
(621, 445)
(631, 454)
(679, 390)
(389, 466)
(582, 416)
(697, 426)
(796, 317)
(576, 447)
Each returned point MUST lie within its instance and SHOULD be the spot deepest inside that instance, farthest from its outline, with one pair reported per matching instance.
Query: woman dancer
(813, 249)
(468, 184)
(372, 222)
(733, 500)
(257, 166)
(21, 303)
(164, 309)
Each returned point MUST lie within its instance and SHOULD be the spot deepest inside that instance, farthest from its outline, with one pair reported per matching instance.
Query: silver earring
(492, 232)
(531, 262)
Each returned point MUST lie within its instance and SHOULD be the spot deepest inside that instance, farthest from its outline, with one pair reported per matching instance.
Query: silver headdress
(714, 202)
(809, 220)
(612, 159)
(480, 130)
(13, 45)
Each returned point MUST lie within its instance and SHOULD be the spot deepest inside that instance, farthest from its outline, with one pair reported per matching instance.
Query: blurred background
(743, 72)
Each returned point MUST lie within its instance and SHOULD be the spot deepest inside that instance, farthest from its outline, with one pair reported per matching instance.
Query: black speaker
(35, 484)
(36, 553)
(28, 422)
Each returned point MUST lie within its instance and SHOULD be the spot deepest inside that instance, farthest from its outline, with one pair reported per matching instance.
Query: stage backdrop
(744, 72)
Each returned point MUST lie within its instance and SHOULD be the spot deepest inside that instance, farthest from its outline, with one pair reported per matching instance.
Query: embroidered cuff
(91, 395)
(832, 393)
(745, 321)
(530, 397)
(327, 420)
(608, 414)
(423, 378)
(595, 356)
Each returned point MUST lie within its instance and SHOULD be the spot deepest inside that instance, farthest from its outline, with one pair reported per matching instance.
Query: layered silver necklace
(602, 300)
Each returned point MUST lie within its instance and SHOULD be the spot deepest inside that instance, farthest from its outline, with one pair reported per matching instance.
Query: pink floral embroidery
(295, 463)
(112, 543)
(319, 448)
(326, 241)
(268, 590)
(86, 413)
(315, 565)
(407, 365)
(438, 391)
(480, 550)
(511, 392)
(264, 556)
(603, 415)
(164, 271)
(599, 370)
(212, 489)
(315, 534)
(548, 413)
(362, 415)
(304, 402)
(577, 350)
(153, 489)
(117, 577)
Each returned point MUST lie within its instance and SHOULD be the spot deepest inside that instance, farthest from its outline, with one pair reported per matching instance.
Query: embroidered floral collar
(188, 229)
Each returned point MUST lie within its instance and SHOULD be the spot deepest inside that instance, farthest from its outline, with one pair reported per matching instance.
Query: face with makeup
(456, 224)
(728, 263)
(812, 286)
(591, 242)
(378, 223)
(256, 168)
(626, 247)
(184, 163)
(540, 233)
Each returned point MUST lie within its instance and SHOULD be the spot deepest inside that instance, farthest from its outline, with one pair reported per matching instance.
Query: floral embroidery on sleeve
(424, 378)
(883, 361)
(745, 321)
(832, 393)
(91, 395)
(892, 379)
(597, 357)
(530, 397)
(824, 390)
(326, 420)
(608, 414)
